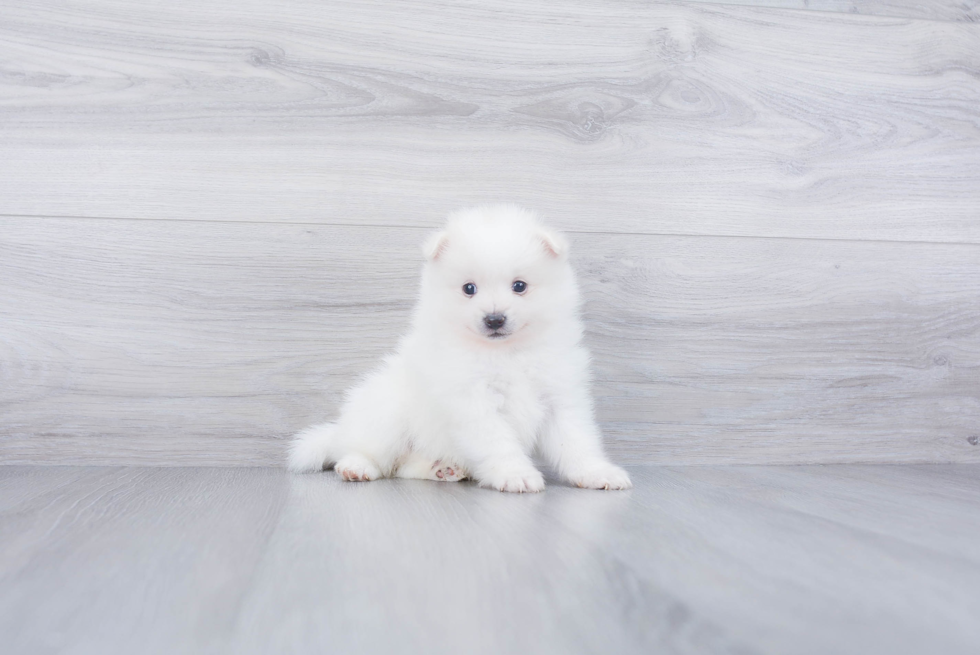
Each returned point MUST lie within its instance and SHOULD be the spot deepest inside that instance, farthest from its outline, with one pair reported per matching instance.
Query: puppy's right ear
(435, 245)
(554, 243)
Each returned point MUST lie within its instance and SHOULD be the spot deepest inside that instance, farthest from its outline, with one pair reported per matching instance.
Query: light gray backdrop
(210, 215)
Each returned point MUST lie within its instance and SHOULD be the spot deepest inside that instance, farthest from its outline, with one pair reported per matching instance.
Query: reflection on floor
(842, 559)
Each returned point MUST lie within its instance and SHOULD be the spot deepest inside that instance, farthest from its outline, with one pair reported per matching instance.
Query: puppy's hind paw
(600, 475)
(357, 468)
(448, 472)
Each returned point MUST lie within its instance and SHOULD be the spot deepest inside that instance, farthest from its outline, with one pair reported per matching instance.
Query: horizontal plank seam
(427, 228)
(807, 10)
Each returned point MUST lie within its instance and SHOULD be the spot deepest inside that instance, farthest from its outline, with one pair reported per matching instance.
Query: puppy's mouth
(497, 334)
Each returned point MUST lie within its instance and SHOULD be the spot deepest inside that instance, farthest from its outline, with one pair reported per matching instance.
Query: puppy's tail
(312, 449)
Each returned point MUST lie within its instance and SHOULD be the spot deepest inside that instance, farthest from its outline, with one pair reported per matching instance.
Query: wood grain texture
(616, 116)
(181, 342)
(750, 560)
(952, 10)
(130, 560)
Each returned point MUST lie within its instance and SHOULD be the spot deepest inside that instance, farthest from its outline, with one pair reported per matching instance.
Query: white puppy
(492, 372)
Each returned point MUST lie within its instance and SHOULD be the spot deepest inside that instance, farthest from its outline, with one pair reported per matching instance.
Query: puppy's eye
(469, 289)
(520, 286)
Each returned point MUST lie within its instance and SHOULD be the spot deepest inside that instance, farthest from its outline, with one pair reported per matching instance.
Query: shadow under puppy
(492, 372)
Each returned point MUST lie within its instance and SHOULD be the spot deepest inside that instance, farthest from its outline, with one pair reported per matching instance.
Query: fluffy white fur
(460, 398)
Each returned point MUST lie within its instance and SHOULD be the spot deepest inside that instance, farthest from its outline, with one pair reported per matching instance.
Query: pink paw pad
(448, 473)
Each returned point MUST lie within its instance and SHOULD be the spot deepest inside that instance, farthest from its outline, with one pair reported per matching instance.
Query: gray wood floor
(826, 559)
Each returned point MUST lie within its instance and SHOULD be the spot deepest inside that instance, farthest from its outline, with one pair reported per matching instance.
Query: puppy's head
(496, 275)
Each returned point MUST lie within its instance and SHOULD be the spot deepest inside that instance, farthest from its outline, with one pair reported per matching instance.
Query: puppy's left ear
(435, 245)
(554, 243)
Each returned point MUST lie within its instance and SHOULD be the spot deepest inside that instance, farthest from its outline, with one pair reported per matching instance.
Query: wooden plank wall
(210, 215)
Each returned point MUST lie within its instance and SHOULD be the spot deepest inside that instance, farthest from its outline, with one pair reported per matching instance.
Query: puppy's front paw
(600, 475)
(357, 468)
(516, 481)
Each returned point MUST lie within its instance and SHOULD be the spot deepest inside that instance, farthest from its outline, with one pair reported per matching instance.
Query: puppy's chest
(515, 395)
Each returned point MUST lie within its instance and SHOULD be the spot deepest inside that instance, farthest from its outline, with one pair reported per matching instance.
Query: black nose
(494, 321)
